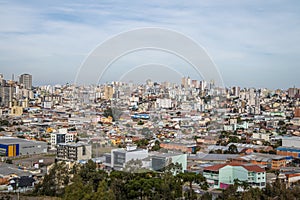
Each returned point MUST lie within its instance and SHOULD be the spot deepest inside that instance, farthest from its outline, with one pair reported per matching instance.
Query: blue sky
(253, 43)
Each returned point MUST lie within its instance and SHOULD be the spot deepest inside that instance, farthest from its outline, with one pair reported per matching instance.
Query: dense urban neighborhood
(193, 140)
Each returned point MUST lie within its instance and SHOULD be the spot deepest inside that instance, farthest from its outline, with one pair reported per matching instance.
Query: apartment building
(73, 151)
(221, 176)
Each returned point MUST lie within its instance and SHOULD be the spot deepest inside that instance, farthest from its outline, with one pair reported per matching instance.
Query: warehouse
(10, 146)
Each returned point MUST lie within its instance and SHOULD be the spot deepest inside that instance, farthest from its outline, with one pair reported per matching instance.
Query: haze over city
(123, 100)
(253, 43)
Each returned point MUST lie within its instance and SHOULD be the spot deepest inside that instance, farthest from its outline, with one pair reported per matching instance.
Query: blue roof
(292, 149)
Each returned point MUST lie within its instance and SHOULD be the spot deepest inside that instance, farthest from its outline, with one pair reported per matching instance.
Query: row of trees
(277, 190)
(86, 182)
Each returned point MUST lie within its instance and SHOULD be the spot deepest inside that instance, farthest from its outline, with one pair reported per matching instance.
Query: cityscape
(149, 100)
(226, 135)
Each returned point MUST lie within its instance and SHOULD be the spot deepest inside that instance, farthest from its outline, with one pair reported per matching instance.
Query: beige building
(74, 151)
(16, 110)
(108, 92)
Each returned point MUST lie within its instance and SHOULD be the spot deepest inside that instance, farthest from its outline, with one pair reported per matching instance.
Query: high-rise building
(108, 92)
(292, 92)
(7, 93)
(26, 81)
(236, 91)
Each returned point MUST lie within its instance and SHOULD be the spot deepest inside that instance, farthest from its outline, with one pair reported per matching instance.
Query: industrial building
(10, 146)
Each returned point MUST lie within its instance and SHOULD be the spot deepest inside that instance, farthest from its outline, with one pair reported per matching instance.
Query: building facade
(221, 176)
(10, 147)
(26, 81)
(161, 160)
(57, 138)
(119, 157)
(73, 151)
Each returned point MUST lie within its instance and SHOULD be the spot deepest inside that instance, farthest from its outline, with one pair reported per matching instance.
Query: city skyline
(253, 44)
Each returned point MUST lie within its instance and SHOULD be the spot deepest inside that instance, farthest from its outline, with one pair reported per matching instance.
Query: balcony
(211, 176)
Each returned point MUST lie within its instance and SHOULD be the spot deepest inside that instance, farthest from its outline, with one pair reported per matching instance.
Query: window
(83, 151)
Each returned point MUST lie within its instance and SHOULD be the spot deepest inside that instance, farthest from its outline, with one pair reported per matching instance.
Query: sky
(253, 43)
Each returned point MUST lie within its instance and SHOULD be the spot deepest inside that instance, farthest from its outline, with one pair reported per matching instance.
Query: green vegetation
(156, 146)
(277, 190)
(142, 143)
(87, 182)
(4, 123)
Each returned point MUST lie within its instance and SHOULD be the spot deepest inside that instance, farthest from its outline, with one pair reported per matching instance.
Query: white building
(61, 137)
(164, 103)
(119, 157)
(291, 141)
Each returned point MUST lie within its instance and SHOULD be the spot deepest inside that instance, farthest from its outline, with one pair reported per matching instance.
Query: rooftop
(13, 140)
(252, 168)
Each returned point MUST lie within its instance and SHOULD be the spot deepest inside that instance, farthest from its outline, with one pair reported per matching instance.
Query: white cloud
(56, 35)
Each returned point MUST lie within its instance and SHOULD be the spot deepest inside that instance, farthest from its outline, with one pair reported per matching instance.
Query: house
(221, 176)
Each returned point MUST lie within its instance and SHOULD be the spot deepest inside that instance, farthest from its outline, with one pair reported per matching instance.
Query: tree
(190, 178)
(133, 166)
(233, 139)
(115, 113)
(90, 175)
(232, 149)
(103, 192)
(77, 190)
(54, 182)
(156, 146)
(9, 161)
(281, 123)
(142, 143)
(206, 196)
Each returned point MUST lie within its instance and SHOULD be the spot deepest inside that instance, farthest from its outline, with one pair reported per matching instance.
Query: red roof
(254, 168)
(215, 167)
(251, 168)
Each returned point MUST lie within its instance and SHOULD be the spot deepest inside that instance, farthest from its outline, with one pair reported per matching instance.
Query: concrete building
(108, 92)
(7, 93)
(73, 151)
(26, 81)
(164, 103)
(61, 137)
(10, 146)
(119, 157)
(261, 136)
(16, 110)
(222, 175)
(291, 141)
(159, 161)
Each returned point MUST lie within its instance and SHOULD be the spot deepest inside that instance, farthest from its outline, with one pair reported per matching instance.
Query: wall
(228, 173)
